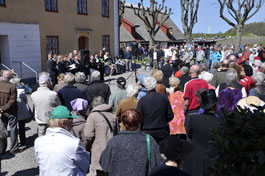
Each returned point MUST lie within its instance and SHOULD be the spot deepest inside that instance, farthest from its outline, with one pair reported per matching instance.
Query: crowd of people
(159, 126)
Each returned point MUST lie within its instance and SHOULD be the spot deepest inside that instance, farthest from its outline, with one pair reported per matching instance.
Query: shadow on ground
(31, 172)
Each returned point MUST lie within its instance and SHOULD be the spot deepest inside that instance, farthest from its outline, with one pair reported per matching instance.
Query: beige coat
(98, 133)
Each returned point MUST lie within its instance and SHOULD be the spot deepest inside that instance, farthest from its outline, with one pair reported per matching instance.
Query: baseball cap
(121, 81)
(61, 112)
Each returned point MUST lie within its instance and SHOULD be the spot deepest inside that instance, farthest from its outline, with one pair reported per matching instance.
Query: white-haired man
(44, 101)
(156, 111)
(98, 88)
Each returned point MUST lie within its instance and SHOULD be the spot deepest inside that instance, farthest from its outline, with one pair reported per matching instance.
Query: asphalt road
(24, 163)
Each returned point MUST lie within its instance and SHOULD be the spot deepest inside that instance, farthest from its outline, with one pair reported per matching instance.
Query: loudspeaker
(134, 49)
(85, 60)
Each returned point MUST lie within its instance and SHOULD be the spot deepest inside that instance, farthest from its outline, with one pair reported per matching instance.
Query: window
(52, 45)
(2, 3)
(105, 8)
(106, 42)
(51, 5)
(81, 7)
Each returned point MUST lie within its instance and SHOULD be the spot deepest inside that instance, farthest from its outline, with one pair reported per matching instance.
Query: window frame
(50, 10)
(81, 8)
(51, 48)
(4, 4)
(104, 42)
(103, 13)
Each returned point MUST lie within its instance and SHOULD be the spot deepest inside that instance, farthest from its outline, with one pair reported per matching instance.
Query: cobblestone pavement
(24, 163)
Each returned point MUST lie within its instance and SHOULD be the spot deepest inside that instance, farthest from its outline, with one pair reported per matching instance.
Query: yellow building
(30, 29)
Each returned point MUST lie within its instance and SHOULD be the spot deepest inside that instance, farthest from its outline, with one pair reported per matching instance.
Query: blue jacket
(217, 56)
(127, 55)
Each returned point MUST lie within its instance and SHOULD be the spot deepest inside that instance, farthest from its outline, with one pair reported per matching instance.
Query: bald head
(194, 71)
(7, 75)
(225, 63)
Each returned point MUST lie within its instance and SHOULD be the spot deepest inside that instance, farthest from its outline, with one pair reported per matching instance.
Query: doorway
(83, 43)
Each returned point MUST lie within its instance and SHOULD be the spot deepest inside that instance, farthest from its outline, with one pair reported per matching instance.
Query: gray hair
(132, 90)
(174, 82)
(95, 76)
(204, 67)
(259, 78)
(44, 79)
(69, 78)
(184, 70)
(15, 81)
(216, 65)
(231, 77)
(80, 77)
(208, 77)
(262, 65)
(97, 101)
(149, 83)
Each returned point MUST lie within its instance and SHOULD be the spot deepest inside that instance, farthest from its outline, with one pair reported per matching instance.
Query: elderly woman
(176, 101)
(61, 83)
(80, 81)
(80, 107)
(158, 75)
(198, 128)
(101, 126)
(129, 103)
(231, 82)
(23, 111)
(259, 90)
(208, 77)
(174, 83)
(126, 154)
(59, 152)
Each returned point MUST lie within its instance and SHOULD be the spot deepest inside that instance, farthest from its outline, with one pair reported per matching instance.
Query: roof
(125, 36)
(130, 17)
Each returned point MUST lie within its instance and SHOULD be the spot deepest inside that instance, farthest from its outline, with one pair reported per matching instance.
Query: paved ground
(24, 164)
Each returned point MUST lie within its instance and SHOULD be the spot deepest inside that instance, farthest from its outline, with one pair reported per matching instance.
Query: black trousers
(11, 120)
(21, 131)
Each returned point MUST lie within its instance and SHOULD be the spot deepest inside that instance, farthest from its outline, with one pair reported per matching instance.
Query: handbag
(148, 152)
(28, 120)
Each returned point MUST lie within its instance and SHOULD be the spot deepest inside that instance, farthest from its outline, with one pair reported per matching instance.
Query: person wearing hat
(175, 150)
(119, 94)
(80, 107)
(198, 129)
(59, 152)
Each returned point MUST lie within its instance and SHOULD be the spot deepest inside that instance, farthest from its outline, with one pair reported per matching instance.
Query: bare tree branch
(121, 10)
(189, 13)
(150, 16)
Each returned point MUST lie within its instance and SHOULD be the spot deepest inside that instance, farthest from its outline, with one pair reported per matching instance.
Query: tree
(121, 10)
(189, 17)
(150, 17)
(240, 11)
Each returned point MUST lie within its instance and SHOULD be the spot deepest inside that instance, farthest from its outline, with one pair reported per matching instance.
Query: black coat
(68, 93)
(167, 71)
(198, 128)
(157, 112)
(184, 79)
(98, 88)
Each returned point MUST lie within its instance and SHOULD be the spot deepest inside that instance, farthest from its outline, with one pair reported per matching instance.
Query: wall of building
(21, 42)
(63, 23)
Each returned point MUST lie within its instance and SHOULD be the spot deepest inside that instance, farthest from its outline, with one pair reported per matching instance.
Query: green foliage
(254, 28)
(239, 145)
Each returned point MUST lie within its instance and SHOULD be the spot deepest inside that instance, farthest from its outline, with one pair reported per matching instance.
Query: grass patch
(262, 42)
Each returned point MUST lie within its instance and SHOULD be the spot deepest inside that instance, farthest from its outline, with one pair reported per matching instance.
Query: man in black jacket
(156, 111)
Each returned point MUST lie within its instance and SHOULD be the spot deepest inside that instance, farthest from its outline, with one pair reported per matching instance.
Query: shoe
(19, 150)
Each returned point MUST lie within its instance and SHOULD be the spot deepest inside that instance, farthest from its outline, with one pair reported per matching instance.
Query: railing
(31, 69)
(9, 69)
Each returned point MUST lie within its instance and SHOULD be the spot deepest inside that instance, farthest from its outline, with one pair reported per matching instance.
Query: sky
(208, 15)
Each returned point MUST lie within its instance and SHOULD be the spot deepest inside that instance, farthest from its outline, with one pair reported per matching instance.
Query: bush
(239, 144)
